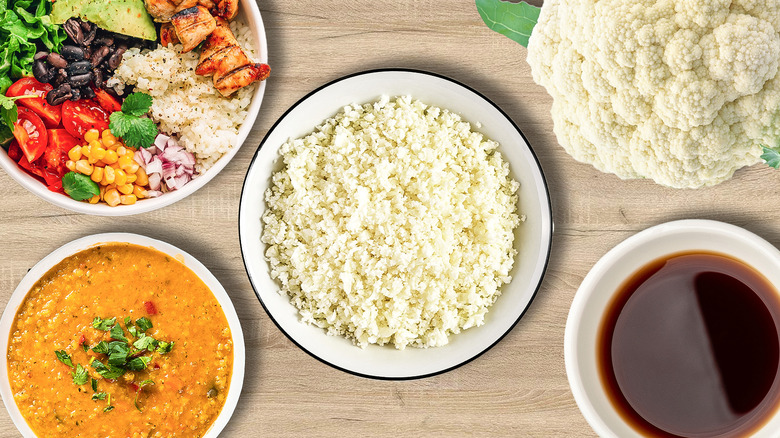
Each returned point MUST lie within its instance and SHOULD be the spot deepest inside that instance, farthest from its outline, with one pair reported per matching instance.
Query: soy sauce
(690, 347)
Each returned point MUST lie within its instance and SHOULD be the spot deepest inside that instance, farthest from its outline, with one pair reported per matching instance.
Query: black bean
(41, 72)
(80, 80)
(72, 53)
(60, 77)
(98, 55)
(97, 76)
(105, 41)
(79, 68)
(75, 94)
(90, 36)
(73, 29)
(87, 26)
(56, 60)
(40, 56)
(116, 58)
(87, 93)
(59, 95)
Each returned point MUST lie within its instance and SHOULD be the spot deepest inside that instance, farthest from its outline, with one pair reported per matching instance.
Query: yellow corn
(120, 177)
(82, 166)
(142, 178)
(111, 157)
(109, 175)
(131, 178)
(95, 199)
(125, 161)
(121, 150)
(75, 153)
(139, 192)
(107, 137)
(92, 135)
(102, 192)
(125, 189)
(98, 152)
(85, 151)
(128, 199)
(97, 174)
(70, 165)
(132, 168)
(112, 197)
(95, 144)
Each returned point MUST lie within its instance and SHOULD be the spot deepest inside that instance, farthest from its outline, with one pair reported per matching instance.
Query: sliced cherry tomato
(82, 115)
(14, 151)
(150, 308)
(50, 114)
(31, 134)
(107, 101)
(33, 167)
(60, 142)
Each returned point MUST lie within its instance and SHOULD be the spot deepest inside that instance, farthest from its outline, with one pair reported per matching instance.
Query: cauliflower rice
(187, 104)
(392, 223)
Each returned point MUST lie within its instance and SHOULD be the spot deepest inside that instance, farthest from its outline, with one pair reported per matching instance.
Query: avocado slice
(128, 17)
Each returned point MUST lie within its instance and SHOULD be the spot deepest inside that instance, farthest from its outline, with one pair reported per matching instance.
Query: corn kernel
(98, 152)
(120, 177)
(142, 178)
(125, 161)
(95, 199)
(111, 157)
(102, 192)
(70, 165)
(139, 192)
(75, 153)
(82, 166)
(112, 197)
(133, 168)
(109, 175)
(92, 135)
(107, 136)
(121, 150)
(95, 144)
(125, 189)
(128, 199)
(97, 174)
(85, 151)
(131, 178)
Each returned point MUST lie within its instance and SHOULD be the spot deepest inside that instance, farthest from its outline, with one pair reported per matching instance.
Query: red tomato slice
(14, 151)
(107, 101)
(30, 132)
(81, 116)
(33, 168)
(50, 114)
(151, 309)
(60, 142)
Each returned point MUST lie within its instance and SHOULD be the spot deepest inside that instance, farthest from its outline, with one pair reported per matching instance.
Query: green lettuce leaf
(513, 20)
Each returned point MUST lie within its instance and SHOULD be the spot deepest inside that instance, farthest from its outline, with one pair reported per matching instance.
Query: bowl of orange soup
(120, 335)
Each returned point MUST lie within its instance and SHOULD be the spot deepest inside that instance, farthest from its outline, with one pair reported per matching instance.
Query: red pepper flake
(150, 308)
(83, 340)
(135, 387)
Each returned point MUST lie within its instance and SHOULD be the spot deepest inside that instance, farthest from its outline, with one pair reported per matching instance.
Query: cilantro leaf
(99, 396)
(118, 352)
(108, 409)
(108, 372)
(64, 357)
(139, 363)
(133, 331)
(771, 156)
(143, 324)
(94, 386)
(117, 333)
(80, 376)
(146, 343)
(128, 322)
(136, 132)
(78, 186)
(103, 324)
(101, 348)
(137, 104)
(165, 347)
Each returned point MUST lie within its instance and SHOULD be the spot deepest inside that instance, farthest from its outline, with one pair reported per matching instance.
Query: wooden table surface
(519, 387)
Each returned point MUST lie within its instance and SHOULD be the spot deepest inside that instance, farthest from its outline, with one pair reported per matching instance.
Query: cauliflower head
(679, 91)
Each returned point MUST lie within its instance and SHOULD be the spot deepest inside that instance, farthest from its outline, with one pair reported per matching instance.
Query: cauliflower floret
(679, 91)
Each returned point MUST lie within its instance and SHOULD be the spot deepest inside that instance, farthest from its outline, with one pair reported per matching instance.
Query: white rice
(392, 223)
(185, 104)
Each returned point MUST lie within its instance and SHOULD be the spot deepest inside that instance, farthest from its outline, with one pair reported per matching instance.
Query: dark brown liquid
(690, 347)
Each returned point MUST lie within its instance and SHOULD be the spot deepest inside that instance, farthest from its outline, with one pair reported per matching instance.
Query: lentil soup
(120, 340)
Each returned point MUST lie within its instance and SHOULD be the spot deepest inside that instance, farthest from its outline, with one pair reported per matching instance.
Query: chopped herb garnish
(146, 343)
(101, 348)
(139, 363)
(136, 131)
(117, 333)
(165, 347)
(146, 382)
(108, 409)
(99, 396)
(64, 357)
(128, 321)
(80, 376)
(133, 331)
(94, 386)
(143, 324)
(117, 353)
(107, 371)
(103, 324)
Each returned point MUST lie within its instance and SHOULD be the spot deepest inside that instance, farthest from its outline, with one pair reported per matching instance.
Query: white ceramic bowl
(532, 238)
(37, 271)
(612, 270)
(249, 13)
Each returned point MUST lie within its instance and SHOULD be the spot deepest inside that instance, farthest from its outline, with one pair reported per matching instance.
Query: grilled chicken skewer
(163, 10)
(222, 57)
(192, 26)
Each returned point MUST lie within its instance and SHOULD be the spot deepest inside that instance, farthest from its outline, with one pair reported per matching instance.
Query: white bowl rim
(83, 243)
(602, 267)
(36, 187)
(548, 212)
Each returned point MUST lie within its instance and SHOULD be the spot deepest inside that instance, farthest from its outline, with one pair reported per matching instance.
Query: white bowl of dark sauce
(675, 332)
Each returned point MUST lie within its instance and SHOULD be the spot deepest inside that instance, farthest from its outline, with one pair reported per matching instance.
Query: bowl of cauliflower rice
(395, 224)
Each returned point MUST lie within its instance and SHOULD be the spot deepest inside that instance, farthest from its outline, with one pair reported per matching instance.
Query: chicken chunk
(192, 26)
(226, 9)
(163, 10)
(168, 35)
(223, 57)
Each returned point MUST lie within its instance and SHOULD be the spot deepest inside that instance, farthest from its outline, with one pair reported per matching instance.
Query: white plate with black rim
(532, 238)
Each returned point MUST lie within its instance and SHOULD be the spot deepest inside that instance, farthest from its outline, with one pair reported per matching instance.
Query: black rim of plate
(533, 154)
